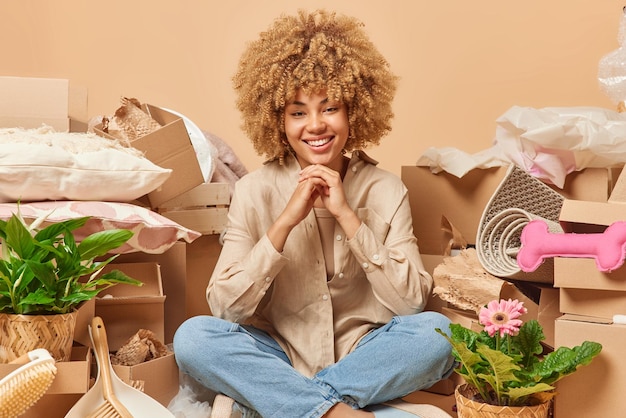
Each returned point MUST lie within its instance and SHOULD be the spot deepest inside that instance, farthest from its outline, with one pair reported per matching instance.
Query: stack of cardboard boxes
(446, 214)
(593, 304)
(162, 303)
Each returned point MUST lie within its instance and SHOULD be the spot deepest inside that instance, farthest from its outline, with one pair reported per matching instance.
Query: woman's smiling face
(317, 129)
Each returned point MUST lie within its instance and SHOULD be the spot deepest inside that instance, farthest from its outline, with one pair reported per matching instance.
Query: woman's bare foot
(342, 410)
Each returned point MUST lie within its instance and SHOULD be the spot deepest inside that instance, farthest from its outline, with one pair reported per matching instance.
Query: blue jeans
(247, 365)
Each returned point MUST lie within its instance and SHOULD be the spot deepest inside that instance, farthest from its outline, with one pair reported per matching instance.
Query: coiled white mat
(518, 199)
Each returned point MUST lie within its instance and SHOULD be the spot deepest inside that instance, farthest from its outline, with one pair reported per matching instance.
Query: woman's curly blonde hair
(315, 52)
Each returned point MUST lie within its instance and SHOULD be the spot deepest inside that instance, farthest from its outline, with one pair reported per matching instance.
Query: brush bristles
(21, 391)
(106, 410)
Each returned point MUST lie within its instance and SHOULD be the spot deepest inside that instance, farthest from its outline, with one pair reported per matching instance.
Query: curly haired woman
(318, 292)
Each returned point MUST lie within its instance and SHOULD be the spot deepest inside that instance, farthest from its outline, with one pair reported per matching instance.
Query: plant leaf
(18, 238)
(53, 231)
(101, 242)
(518, 396)
(528, 342)
(565, 361)
(501, 373)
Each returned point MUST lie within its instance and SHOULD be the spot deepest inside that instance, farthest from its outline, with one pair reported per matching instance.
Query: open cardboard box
(168, 147)
(461, 201)
(173, 270)
(125, 309)
(70, 384)
(159, 377)
(30, 102)
(72, 376)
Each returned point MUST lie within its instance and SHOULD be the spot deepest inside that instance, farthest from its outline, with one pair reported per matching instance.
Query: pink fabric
(153, 233)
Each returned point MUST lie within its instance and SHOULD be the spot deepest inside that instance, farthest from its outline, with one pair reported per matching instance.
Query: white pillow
(42, 164)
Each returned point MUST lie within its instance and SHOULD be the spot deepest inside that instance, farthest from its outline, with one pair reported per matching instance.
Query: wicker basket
(20, 334)
(467, 408)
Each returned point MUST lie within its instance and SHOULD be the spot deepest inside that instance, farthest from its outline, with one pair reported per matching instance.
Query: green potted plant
(45, 275)
(504, 365)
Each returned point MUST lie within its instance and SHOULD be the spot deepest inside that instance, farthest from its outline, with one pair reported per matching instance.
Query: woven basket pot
(20, 334)
(467, 408)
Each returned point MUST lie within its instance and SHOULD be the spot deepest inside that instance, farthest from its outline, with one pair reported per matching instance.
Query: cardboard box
(53, 406)
(125, 309)
(160, 377)
(435, 303)
(168, 147)
(69, 385)
(202, 255)
(591, 184)
(549, 310)
(204, 208)
(445, 402)
(72, 376)
(173, 267)
(462, 201)
(595, 390)
(30, 102)
(582, 273)
(592, 302)
(590, 217)
(86, 313)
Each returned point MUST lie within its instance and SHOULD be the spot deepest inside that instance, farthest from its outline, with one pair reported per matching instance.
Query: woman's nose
(316, 123)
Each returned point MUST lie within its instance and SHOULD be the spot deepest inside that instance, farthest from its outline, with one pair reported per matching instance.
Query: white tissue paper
(547, 143)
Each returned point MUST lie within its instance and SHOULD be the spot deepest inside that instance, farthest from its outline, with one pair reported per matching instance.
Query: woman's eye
(330, 109)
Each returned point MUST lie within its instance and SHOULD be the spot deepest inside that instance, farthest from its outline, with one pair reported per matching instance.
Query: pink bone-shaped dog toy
(608, 248)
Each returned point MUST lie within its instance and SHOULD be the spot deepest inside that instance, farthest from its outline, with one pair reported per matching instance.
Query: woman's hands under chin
(329, 186)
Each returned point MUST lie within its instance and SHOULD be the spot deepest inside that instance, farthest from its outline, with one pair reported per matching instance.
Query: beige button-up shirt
(378, 273)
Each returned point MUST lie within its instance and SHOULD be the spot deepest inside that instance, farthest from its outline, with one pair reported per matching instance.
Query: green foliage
(44, 271)
(512, 370)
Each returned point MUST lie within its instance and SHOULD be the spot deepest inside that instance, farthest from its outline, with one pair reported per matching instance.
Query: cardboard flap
(589, 217)
(148, 273)
(618, 195)
(584, 318)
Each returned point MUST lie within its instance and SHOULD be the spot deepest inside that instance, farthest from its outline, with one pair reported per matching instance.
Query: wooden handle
(101, 347)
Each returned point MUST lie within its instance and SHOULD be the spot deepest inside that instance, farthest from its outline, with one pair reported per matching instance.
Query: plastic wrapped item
(612, 69)
(192, 401)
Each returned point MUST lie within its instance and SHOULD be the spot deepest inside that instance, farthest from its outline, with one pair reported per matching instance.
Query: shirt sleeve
(393, 265)
(244, 271)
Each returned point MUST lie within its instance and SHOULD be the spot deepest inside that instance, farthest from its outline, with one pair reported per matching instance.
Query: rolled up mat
(518, 199)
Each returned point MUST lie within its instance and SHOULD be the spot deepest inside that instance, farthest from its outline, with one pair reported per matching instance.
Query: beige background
(462, 64)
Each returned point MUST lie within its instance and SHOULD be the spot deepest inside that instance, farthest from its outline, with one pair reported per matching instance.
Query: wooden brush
(111, 407)
(22, 388)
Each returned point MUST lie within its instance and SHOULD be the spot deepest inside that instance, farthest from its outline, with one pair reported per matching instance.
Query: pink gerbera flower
(502, 317)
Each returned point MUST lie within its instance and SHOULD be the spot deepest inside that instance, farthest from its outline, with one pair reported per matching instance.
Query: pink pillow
(153, 233)
(607, 248)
